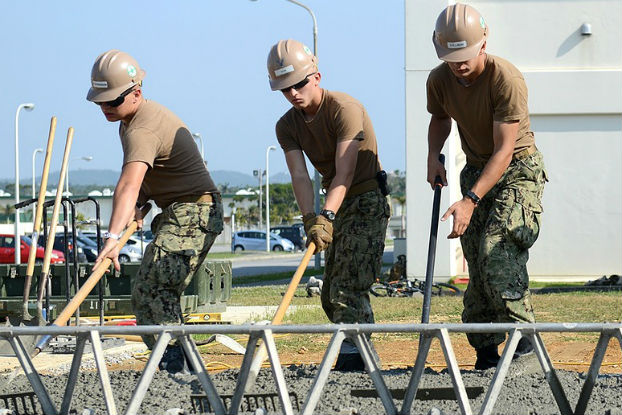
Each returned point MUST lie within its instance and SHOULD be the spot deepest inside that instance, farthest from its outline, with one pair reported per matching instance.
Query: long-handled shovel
(37, 221)
(52, 233)
(26, 318)
(84, 291)
(429, 272)
(262, 353)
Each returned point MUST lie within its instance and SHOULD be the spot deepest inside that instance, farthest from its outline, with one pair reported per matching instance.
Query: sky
(205, 60)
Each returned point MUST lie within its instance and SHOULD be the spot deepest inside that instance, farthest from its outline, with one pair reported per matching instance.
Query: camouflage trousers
(354, 259)
(184, 233)
(505, 224)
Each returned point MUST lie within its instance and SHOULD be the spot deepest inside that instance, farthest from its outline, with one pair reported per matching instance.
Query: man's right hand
(109, 250)
(436, 168)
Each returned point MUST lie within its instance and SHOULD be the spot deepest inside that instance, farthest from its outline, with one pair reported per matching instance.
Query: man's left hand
(321, 233)
(462, 211)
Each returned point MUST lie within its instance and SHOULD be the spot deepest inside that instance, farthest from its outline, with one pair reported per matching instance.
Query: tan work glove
(308, 220)
(321, 233)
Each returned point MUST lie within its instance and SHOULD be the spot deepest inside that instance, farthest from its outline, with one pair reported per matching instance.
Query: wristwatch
(471, 195)
(108, 235)
(328, 214)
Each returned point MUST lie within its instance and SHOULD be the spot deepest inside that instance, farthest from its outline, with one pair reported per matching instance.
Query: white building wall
(575, 87)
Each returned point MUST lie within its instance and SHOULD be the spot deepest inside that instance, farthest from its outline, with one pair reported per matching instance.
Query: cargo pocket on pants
(524, 220)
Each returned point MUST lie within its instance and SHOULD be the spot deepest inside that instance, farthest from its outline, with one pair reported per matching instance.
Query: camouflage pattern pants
(184, 233)
(354, 259)
(505, 224)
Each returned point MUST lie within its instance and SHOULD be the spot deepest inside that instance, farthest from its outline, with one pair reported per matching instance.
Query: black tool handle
(429, 272)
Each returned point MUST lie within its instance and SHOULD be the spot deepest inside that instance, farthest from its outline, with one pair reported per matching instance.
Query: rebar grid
(356, 332)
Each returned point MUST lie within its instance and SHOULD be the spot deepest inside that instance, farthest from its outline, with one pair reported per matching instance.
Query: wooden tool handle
(90, 283)
(291, 289)
(59, 195)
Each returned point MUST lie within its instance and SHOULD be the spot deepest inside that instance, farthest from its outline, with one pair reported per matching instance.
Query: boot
(349, 359)
(174, 360)
(349, 362)
(487, 357)
(524, 348)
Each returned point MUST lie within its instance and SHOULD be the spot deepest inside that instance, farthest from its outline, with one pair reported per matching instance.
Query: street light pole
(27, 107)
(268, 197)
(34, 206)
(259, 173)
(85, 158)
(198, 135)
(316, 174)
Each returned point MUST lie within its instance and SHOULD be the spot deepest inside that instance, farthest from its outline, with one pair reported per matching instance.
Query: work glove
(308, 220)
(321, 233)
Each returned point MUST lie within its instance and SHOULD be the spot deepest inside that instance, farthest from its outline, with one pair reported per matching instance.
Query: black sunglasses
(299, 85)
(119, 100)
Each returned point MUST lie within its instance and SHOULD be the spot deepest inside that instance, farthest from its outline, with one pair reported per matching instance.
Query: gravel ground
(524, 391)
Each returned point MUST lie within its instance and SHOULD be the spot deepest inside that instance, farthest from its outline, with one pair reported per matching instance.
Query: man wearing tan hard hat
(335, 133)
(161, 162)
(498, 219)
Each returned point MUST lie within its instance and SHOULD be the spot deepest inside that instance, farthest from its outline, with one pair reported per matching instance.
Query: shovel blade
(29, 342)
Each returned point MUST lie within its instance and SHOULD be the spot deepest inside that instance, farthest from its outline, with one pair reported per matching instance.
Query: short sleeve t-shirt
(498, 94)
(339, 118)
(160, 139)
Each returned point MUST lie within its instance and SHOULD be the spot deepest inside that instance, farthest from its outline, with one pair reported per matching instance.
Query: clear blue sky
(205, 60)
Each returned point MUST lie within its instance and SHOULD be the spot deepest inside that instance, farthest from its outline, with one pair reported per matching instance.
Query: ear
(137, 94)
(317, 77)
(483, 48)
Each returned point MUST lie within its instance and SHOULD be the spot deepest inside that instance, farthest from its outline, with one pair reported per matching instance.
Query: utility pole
(259, 174)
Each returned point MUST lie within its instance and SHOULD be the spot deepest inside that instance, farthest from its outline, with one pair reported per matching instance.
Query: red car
(7, 251)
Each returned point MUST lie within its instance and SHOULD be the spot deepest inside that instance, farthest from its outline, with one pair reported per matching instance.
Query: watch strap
(110, 235)
(471, 195)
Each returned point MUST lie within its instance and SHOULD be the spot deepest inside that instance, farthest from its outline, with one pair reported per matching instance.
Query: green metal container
(208, 292)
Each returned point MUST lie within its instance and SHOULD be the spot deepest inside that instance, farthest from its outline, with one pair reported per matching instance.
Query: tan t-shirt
(339, 118)
(498, 94)
(159, 138)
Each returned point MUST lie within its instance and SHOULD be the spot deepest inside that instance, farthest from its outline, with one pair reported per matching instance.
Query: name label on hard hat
(100, 84)
(283, 71)
(457, 45)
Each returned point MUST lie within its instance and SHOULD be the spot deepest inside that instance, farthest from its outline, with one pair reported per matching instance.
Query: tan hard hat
(289, 62)
(113, 73)
(459, 34)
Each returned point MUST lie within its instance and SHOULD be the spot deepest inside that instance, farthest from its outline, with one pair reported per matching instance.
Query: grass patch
(277, 276)
(567, 307)
(564, 307)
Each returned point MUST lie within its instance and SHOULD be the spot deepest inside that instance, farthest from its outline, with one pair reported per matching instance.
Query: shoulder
(340, 99)
(502, 70)
(340, 104)
(439, 74)
(286, 119)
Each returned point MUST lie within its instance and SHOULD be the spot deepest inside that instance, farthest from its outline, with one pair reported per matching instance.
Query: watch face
(328, 214)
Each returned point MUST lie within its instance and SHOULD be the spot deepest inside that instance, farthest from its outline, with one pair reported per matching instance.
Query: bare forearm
(504, 136)
(303, 191)
(492, 172)
(123, 205)
(337, 191)
(438, 131)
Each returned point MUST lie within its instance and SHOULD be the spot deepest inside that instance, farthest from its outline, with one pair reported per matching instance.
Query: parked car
(256, 240)
(129, 253)
(59, 245)
(296, 234)
(7, 251)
